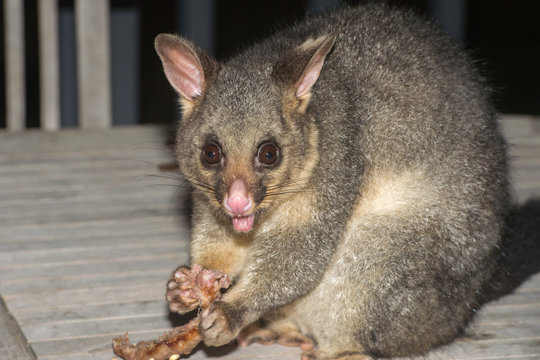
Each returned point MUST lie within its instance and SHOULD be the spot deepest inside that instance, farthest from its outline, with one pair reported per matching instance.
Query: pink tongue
(243, 223)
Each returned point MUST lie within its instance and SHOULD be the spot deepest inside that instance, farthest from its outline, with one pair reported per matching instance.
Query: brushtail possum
(349, 175)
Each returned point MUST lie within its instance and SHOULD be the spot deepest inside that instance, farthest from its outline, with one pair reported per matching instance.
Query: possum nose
(237, 200)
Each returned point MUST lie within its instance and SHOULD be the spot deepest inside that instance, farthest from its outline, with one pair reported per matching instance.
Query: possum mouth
(243, 223)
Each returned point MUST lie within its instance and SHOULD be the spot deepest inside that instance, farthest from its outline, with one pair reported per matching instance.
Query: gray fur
(397, 103)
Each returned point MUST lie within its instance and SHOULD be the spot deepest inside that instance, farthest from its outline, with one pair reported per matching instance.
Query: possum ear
(187, 67)
(298, 70)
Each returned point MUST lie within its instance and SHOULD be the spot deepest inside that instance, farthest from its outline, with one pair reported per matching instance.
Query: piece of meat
(205, 287)
(180, 340)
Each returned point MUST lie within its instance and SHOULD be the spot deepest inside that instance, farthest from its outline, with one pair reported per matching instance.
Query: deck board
(90, 231)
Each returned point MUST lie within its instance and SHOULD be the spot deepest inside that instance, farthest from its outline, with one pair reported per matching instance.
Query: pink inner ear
(309, 77)
(184, 73)
(313, 69)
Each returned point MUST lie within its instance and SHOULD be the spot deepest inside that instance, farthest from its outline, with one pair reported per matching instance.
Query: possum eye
(212, 154)
(268, 154)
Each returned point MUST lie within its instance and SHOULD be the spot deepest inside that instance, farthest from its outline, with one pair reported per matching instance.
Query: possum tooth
(174, 357)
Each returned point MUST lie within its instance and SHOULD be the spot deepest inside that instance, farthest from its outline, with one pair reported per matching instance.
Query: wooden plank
(26, 286)
(78, 212)
(132, 236)
(85, 178)
(13, 343)
(49, 75)
(106, 162)
(38, 258)
(115, 325)
(99, 295)
(76, 230)
(14, 65)
(119, 311)
(93, 63)
(58, 269)
(34, 144)
(126, 212)
(88, 202)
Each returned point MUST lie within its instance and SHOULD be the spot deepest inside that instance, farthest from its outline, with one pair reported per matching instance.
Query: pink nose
(237, 200)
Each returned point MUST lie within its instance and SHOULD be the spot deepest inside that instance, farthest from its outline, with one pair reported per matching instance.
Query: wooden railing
(93, 64)
(94, 91)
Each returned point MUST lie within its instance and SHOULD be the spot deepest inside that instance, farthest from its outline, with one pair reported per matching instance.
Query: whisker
(180, 182)
(198, 183)
(165, 176)
(291, 186)
(140, 161)
(160, 184)
(288, 184)
(172, 181)
(281, 193)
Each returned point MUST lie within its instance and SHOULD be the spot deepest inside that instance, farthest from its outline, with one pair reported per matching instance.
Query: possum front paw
(215, 326)
(181, 294)
(191, 288)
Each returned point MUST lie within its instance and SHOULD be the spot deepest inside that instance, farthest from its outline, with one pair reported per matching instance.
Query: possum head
(245, 141)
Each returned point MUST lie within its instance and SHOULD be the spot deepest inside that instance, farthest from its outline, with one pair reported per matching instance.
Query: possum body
(349, 175)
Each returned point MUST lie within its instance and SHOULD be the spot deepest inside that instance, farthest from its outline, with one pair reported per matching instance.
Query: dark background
(504, 36)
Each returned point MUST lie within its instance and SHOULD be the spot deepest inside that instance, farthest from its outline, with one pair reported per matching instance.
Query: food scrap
(207, 286)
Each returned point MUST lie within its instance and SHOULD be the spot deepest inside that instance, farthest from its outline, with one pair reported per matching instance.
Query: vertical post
(14, 65)
(69, 104)
(196, 21)
(93, 66)
(49, 64)
(125, 64)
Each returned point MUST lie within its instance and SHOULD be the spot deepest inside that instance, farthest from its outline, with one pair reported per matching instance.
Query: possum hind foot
(283, 335)
(344, 355)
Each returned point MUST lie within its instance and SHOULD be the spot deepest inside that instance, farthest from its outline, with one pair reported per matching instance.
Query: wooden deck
(90, 231)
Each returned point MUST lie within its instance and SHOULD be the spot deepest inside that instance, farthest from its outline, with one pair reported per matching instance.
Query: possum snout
(239, 203)
(238, 200)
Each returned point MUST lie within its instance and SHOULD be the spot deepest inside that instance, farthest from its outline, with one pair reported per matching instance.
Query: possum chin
(243, 223)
